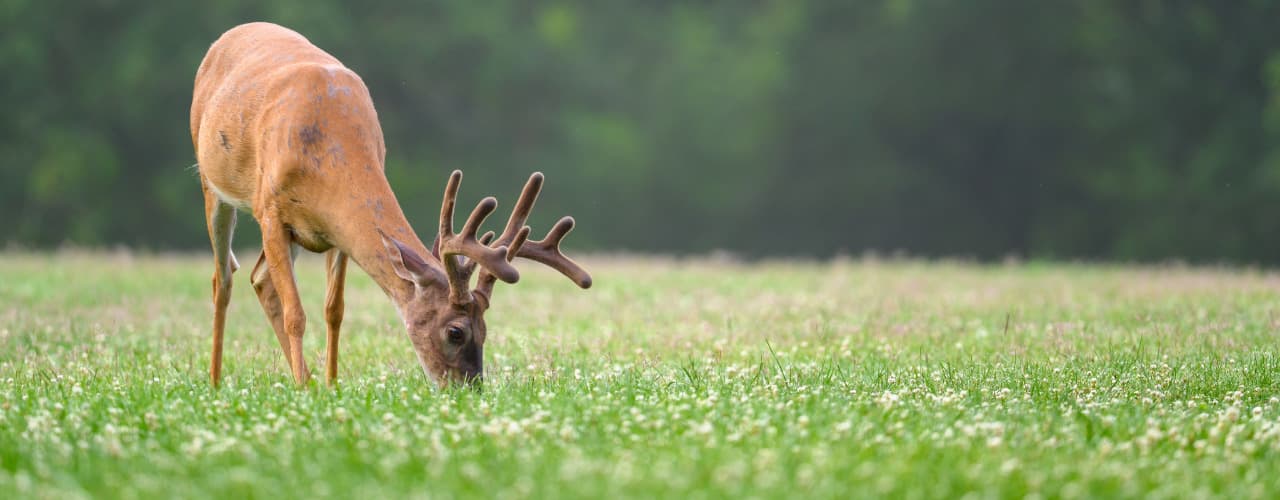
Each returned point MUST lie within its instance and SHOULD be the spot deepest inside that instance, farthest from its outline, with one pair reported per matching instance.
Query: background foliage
(1097, 129)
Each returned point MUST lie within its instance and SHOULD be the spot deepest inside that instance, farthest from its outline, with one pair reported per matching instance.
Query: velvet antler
(492, 259)
(546, 251)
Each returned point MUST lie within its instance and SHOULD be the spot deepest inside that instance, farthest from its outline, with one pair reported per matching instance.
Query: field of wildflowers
(695, 378)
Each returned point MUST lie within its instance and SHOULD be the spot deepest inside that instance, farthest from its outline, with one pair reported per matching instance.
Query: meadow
(674, 378)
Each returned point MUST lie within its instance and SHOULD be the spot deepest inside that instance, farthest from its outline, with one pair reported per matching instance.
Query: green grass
(680, 379)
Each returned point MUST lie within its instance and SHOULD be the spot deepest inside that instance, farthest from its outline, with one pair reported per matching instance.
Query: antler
(547, 250)
(493, 260)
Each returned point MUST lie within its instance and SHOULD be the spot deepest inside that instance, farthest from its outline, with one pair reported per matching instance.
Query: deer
(284, 131)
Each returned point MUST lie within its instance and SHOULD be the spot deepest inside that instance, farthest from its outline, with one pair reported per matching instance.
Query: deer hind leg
(336, 265)
(260, 278)
(221, 219)
(277, 246)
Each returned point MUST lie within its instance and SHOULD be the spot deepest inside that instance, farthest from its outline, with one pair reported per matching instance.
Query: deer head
(445, 316)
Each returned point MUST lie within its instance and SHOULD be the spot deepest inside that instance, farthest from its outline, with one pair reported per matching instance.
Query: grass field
(679, 379)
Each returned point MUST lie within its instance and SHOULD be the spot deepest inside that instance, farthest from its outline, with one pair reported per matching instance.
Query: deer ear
(407, 264)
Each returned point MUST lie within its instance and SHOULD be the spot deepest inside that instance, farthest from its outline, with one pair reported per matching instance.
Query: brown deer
(283, 130)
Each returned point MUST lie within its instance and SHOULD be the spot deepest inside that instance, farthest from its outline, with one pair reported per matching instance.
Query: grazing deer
(283, 130)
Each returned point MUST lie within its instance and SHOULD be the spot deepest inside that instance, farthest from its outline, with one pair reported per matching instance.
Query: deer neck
(364, 245)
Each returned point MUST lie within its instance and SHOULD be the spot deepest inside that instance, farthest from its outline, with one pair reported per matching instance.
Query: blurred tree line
(1091, 128)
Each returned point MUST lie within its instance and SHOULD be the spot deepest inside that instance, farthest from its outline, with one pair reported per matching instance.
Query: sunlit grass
(671, 378)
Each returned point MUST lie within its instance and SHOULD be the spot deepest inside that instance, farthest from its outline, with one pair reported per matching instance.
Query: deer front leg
(261, 280)
(336, 264)
(276, 246)
(221, 219)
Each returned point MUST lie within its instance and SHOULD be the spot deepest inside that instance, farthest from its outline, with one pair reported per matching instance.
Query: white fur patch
(239, 204)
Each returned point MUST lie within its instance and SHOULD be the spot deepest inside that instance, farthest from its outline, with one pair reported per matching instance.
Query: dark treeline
(1136, 130)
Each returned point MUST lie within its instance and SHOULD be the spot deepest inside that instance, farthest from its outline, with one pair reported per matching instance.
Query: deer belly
(240, 204)
(311, 240)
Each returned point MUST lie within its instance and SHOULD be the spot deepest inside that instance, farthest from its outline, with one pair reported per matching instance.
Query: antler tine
(468, 265)
(484, 284)
(521, 238)
(446, 208)
(477, 217)
(520, 213)
(493, 260)
(547, 251)
(515, 233)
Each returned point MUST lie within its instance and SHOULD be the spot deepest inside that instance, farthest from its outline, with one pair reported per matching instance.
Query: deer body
(281, 126)
(284, 131)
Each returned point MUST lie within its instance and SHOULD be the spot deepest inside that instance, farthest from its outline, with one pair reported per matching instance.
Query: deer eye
(456, 336)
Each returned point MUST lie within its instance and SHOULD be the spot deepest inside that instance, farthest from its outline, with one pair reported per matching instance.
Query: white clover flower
(194, 447)
(887, 400)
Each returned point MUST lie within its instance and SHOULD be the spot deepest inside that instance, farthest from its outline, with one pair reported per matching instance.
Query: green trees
(1131, 130)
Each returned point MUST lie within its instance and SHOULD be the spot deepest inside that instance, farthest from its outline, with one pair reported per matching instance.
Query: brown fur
(285, 131)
